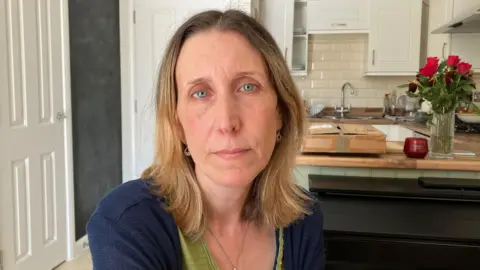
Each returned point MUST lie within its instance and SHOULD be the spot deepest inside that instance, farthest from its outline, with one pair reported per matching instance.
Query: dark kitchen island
(393, 224)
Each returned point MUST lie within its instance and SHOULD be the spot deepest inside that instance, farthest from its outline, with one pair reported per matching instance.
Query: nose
(226, 113)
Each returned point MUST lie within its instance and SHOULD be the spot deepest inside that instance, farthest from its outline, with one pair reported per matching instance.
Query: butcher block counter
(394, 156)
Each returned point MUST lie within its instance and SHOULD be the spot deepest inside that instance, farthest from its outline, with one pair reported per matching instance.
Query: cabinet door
(278, 19)
(461, 6)
(466, 45)
(440, 13)
(338, 15)
(394, 40)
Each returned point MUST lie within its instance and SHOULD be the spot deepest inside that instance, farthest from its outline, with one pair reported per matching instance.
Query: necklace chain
(234, 266)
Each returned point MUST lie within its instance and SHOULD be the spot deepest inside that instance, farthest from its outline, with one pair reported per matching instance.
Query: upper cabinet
(440, 12)
(460, 6)
(286, 21)
(334, 16)
(395, 37)
(277, 17)
(465, 45)
(462, 44)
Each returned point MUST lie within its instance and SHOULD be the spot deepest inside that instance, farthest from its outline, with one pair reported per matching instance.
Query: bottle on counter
(393, 102)
(386, 105)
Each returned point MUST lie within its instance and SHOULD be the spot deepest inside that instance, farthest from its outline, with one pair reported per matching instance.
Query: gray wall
(95, 77)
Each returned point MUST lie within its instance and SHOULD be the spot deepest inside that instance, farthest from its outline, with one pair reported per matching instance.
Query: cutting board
(344, 138)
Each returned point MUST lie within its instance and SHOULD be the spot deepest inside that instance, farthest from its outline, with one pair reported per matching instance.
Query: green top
(195, 255)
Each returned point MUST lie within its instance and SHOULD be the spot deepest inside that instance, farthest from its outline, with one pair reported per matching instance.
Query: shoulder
(126, 198)
(304, 241)
(311, 222)
(131, 229)
(133, 204)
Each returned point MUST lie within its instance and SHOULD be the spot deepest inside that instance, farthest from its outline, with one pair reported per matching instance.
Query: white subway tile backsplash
(352, 56)
(341, 47)
(321, 47)
(320, 84)
(340, 65)
(356, 102)
(349, 74)
(320, 65)
(360, 47)
(303, 84)
(358, 65)
(330, 56)
(331, 75)
(366, 93)
(337, 84)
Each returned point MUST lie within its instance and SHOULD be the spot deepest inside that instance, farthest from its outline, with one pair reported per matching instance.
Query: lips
(231, 153)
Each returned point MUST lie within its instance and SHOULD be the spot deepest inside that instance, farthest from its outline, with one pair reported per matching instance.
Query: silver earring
(186, 152)
(279, 136)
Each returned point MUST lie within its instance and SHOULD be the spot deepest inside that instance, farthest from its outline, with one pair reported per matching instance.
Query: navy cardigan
(130, 230)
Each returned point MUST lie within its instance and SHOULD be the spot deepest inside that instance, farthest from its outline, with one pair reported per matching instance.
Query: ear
(279, 119)
(178, 130)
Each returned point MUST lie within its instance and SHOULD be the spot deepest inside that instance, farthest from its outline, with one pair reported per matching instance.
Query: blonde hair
(275, 199)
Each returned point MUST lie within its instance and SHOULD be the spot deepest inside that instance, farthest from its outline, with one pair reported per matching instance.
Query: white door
(32, 145)
(154, 25)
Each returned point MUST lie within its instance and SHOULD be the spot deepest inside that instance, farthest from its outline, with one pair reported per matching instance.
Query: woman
(220, 194)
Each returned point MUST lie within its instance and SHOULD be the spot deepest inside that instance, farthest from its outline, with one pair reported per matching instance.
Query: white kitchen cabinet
(442, 45)
(338, 16)
(395, 133)
(459, 6)
(465, 45)
(286, 21)
(440, 13)
(251, 7)
(395, 37)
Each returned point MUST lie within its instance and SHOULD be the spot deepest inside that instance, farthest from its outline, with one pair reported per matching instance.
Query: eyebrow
(196, 81)
(238, 75)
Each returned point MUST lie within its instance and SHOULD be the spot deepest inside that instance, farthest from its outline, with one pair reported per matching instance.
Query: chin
(234, 178)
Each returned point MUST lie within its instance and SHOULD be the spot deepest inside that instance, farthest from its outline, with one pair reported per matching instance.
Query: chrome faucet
(343, 109)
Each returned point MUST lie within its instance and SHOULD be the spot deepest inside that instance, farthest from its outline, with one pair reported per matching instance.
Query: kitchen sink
(363, 117)
(351, 117)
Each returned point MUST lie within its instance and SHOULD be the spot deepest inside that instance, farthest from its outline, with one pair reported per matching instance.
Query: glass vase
(442, 131)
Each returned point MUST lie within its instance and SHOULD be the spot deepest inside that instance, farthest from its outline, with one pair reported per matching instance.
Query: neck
(225, 204)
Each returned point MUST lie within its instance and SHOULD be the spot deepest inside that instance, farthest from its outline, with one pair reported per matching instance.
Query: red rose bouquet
(443, 84)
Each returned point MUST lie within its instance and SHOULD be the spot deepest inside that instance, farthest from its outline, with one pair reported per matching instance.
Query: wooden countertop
(395, 158)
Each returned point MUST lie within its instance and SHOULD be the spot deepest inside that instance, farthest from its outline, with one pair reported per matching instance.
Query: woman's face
(227, 107)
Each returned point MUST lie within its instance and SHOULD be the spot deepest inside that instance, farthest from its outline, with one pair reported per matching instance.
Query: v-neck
(196, 256)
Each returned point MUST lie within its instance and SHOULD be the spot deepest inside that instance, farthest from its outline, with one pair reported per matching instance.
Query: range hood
(466, 22)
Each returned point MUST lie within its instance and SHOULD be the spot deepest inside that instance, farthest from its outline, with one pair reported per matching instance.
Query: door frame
(127, 84)
(72, 250)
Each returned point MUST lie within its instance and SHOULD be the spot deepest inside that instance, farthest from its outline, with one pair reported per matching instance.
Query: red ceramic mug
(415, 147)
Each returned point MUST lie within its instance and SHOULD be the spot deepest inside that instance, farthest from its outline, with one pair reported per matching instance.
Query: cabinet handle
(339, 24)
(373, 57)
(286, 49)
(443, 50)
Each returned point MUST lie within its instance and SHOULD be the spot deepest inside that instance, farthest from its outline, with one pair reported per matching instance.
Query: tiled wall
(337, 58)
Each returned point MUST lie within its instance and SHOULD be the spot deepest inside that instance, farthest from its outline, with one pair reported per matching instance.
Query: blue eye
(248, 87)
(200, 94)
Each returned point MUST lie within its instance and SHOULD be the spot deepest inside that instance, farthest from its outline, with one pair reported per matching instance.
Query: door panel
(155, 23)
(32, 156)
(394, 39)
(278, 18)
